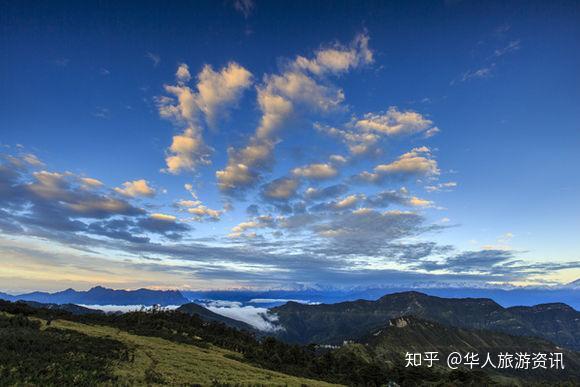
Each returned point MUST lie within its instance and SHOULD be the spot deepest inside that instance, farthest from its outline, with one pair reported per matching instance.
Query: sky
(285, 145)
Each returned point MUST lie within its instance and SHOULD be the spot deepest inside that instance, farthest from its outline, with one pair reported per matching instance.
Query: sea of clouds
(259, 317)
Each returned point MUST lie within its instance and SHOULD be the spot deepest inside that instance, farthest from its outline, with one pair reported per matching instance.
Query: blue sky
(188, 145)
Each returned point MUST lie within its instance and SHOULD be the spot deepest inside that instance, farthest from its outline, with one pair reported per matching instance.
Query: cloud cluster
(418, 162)
(362, 135)
(356, 242)
(318, 171)
(133, 188)
(68, 207)
(215, 92)
(301, 88)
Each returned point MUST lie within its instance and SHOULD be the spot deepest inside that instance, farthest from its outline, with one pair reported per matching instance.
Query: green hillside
(74, 353)
(167, 362)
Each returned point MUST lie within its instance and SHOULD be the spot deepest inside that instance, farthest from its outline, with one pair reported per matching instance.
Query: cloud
(297, 90)
(186, 152)
(257, 223)
(483, 72)
(199, 211)
(32, 159)
(155, 59)
(122, 229)
(66, 207)
(318, 171)
(358, 143)
(259, 318)
(102, 112)
(394, 122)
(166, 225)
(418, 202)
(280, 189)
(348, 202)
(202, 212)
(338, 58)
(416, 163)
(400, 197)
(183, 75)
(487, 69)
(362, 135)
(512, 46)
(135, 188)
(245, 7)
(442, 187)
(329, 192)
(470, 261)
(216, 91)
(89, 182)
(365, 229)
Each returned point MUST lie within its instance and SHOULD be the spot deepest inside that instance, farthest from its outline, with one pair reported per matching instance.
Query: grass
(158, 361)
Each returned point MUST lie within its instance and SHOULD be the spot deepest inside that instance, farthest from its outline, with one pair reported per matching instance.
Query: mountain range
(103, 296)
(335, 323)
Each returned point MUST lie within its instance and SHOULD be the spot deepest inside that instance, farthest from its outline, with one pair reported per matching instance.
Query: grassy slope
(183, 364)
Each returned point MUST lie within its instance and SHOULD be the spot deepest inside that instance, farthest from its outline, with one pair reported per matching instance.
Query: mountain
(206, 314)
(557, 322)
(71, 308)
(334, 323)
(104, 296)
(506, 297)
(7, 297)
(411, 334)
(575, 285)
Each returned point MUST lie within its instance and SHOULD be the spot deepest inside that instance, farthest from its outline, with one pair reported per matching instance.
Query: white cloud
(215, 91)
(186, 152)
(417, 162)
(31, 159)
(318, 171)
(196, 208)
(259, 318)
(337, 59)
(89, 182)
(394, 122)
(350, 201)
(135, 188)
(362, 135)
(283, 95)
(258, 222)
(418, 202)
(182, 74)
(441, 187)
(163, 217)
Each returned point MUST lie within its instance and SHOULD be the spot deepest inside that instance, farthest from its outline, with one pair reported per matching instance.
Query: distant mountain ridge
(334, 323)
(103, 296)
